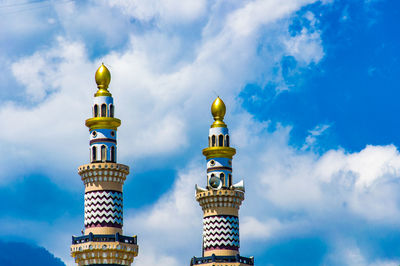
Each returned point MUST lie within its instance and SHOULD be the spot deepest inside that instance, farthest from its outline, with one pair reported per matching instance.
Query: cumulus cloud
(42, 73)
(252, 228)
(347, 252)
(289, 192)
(361, 183)
(164, 11)
(306, 46)
(170, 231)
(162, 98)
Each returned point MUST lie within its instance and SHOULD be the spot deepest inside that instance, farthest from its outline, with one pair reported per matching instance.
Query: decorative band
(102, 140)
(103, 208)
(224, 259)
(221, 232)
(103, 190)
(103, 224)
(222, 247)
(210, 169)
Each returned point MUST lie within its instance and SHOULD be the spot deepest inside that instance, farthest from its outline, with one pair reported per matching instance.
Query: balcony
(213, 258)
(104, 238)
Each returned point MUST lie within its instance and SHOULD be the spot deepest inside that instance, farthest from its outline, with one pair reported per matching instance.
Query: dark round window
(214, 182)
(112, 133)
(94, 134)
(212, 162)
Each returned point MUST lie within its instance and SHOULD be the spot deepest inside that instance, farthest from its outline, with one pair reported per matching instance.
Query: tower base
(222, 260)
(109, 250)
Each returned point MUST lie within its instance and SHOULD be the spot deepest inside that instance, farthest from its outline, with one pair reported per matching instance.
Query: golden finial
(218, 110)
(103, 78)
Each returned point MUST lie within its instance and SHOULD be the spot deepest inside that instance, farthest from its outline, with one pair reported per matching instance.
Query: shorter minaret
(102, 242)
(221, 199)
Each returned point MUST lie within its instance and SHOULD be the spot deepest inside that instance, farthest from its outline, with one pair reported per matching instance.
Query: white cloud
(40, 75)
(347, 252)
(166, 11)
(94, 23)
(365, 181)
(170, 231)
(251, 228)
(255, 14)
(288, 193)
(305, 47)
(294, 181)
(13, 26)
(162, 98)
(311, 139)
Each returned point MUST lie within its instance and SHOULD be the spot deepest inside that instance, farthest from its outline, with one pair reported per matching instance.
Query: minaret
(221, 199)
(102, 242)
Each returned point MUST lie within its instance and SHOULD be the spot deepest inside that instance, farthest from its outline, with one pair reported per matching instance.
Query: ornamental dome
(103, 77)
(218, 109)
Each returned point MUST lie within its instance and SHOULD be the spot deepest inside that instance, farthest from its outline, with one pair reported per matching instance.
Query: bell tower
(221, 199)
(102, 242)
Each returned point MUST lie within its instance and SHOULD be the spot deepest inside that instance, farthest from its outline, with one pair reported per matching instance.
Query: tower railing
(104, 238)
(213, 258)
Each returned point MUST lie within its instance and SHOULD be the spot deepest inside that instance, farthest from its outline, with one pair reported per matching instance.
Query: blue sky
(311, 89)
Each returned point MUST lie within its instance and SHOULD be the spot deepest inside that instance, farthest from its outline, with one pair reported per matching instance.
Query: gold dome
(103, 77)
(218, 110)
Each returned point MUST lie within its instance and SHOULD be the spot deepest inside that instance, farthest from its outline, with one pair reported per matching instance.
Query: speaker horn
(239, 186)
(199, 189)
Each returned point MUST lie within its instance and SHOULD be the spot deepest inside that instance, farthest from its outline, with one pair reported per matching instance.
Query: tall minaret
(102, 242)
(221, 199)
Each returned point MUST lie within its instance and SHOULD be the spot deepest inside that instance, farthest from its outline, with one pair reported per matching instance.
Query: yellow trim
(105, 230)
(221, 252)
(215, 152)
(213, 211)
(102, 92)
(218, 123)
(103, 122)
(102, 185)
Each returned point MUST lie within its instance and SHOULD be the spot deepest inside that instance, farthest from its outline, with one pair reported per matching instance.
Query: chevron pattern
(221, 232)
(103, 208)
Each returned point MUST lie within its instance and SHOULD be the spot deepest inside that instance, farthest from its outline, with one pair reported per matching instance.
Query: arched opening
(103, 153)
(212, 141)
(111, 110)
(220, 140)
(229, 180)
(209, 179)
(112, 153)
(94, 153)
(227, 140)
(95, 110)
(103, 110)
(209, 143)
(222, 177)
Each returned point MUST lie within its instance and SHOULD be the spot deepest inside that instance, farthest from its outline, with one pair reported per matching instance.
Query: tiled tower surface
(221, 199)
(102, 242)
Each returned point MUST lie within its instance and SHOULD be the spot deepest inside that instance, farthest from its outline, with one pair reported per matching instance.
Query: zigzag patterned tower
(221, 199)
(102, 242)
